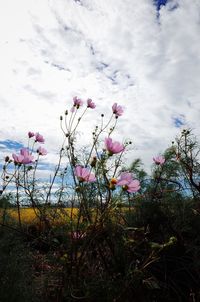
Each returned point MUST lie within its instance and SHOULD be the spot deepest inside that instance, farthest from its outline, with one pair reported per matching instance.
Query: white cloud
(111, 51)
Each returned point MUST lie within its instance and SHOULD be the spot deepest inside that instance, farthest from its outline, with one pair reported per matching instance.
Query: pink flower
(117, 110)
(113, 147)
(39, 138)
(42, 151)
(31, 134)
(125, 178)
(159, 160)
(83, 174)
(90, 104)
(128, 183)
(77, 103)
(133, 186)
(78, 235)
(24, 157)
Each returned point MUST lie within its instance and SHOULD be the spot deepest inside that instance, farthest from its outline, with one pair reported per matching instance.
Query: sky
(144, 55)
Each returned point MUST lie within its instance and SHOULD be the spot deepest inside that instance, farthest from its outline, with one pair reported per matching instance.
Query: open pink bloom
(113, 147)
(42, 151)
(117, 109)
(159, 160)
(128, 183)
(31, 134)
(39, 138)
(24, 157)
(90, 104)
(83, 174)
(77, 102)
(125, 178)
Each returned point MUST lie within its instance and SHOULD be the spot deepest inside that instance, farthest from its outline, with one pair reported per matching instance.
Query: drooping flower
(31, 134)
(113, 147)
(24, 157)
(117, 109)
(42, 151)
(39, 138)
(159, 160)
(90, 104)
(83, 174)
(128, 183)
(78, 235)
(77, 103)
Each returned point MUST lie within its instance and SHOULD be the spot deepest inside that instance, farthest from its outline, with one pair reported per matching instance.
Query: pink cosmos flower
(83, 174)
(159, 160)
(117, 109)
(39, 138)
(113, 147)
(24, 157)
(128, 183)
(90, 104)
(31, 134)
(42, 151)
(125, 178)
(77, 103)
(78, 235)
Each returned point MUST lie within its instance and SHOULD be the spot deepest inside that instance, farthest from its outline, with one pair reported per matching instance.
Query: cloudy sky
(144, 55)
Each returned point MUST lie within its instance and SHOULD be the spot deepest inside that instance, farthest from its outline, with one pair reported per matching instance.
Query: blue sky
(110, 51)
(160, 3)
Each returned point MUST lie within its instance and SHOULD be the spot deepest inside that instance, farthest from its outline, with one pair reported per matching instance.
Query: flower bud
(61, 118)
(113, 181)
(7, 159)
(93, 161)
(78, 189)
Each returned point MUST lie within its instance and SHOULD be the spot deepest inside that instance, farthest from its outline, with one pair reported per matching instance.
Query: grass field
(56, 216)
(32, 216)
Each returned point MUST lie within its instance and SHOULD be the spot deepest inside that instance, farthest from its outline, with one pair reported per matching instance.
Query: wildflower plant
(92, 183)
(95, 172)
(101, 162)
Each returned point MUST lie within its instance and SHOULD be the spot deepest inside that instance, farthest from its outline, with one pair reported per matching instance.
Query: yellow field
(32, 216)
(55, 216)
